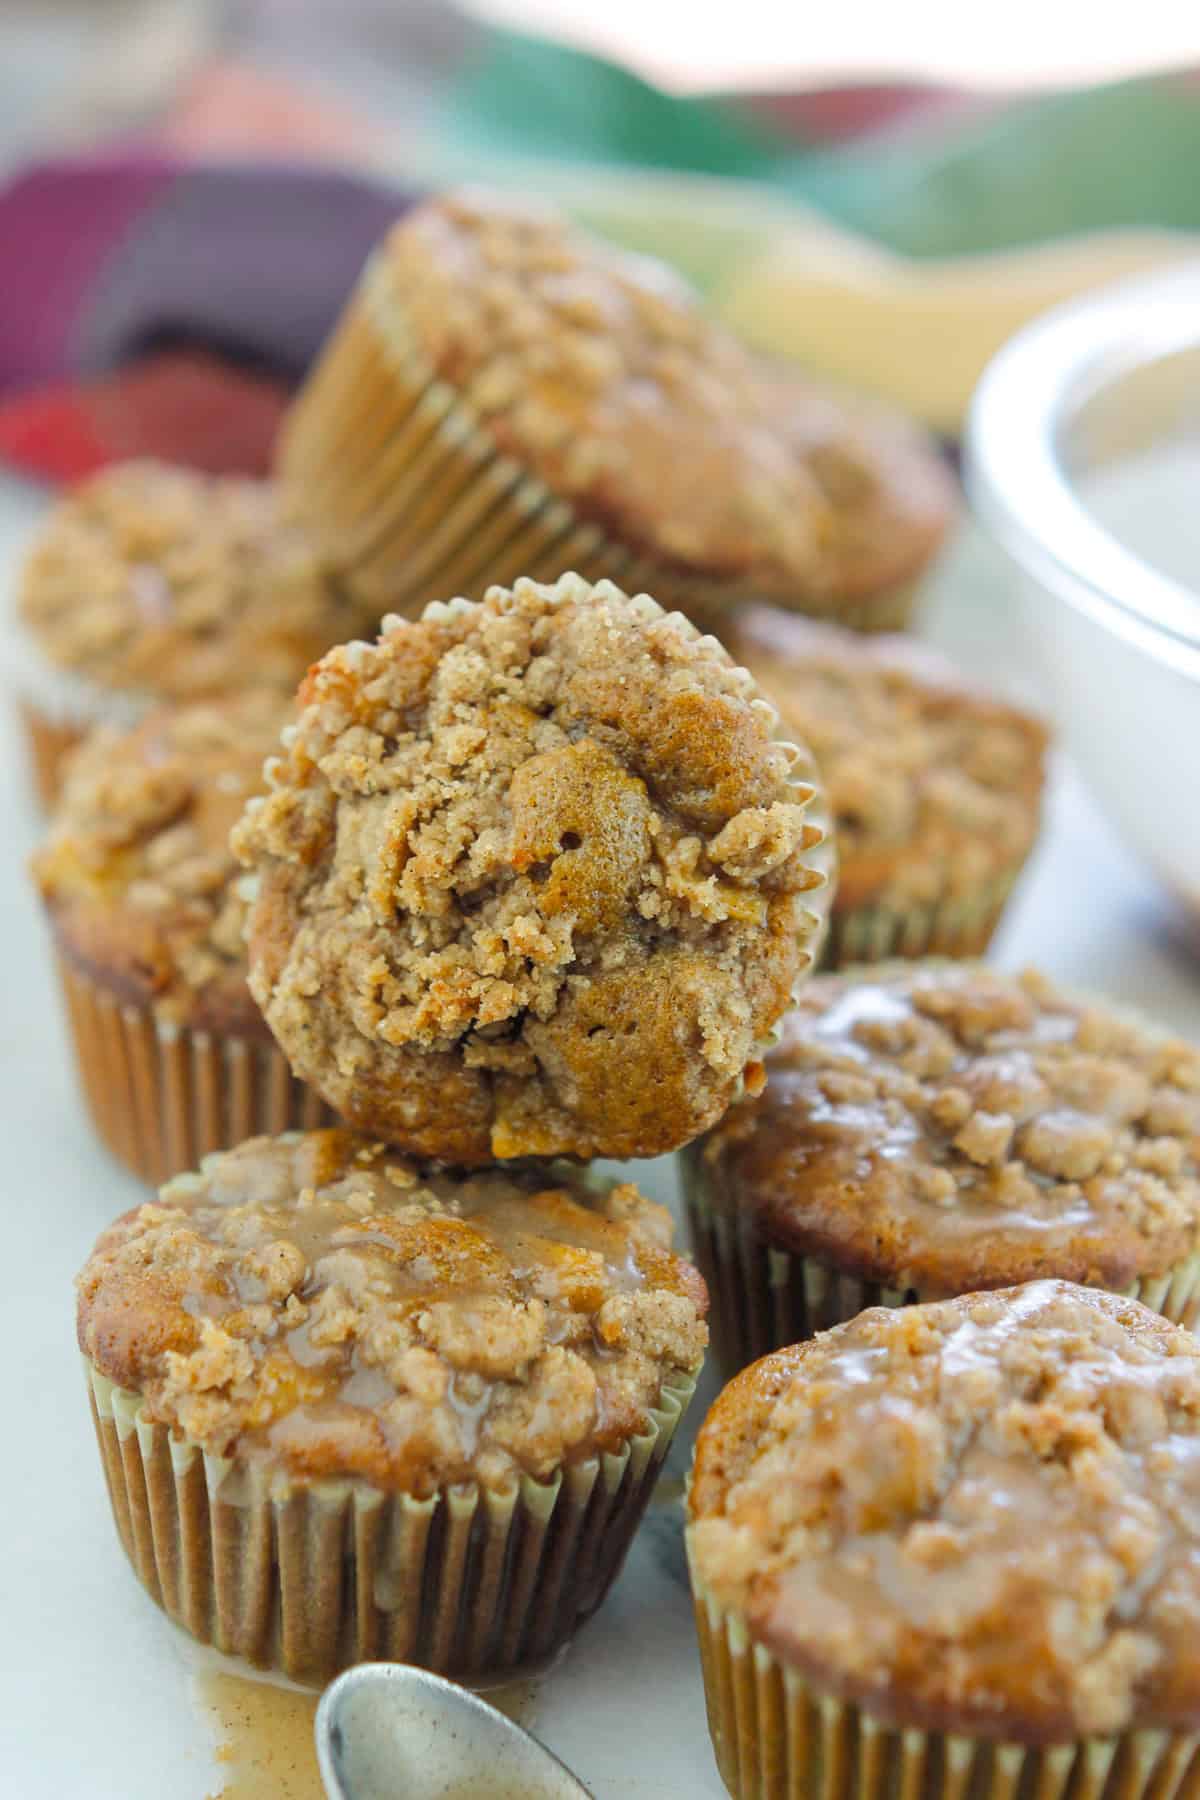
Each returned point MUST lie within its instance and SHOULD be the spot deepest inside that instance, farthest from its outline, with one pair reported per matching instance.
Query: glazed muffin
(956, 1550)
(505, 396)
(351, 1408)
(532, 878)
(147, 906)
(935, 786)
(926, 1131)
(150, 584)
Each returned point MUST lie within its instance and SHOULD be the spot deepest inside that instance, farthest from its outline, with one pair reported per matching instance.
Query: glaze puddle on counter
(263, 1728)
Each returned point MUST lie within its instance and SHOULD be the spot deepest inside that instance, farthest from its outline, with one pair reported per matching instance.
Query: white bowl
(1093, 414)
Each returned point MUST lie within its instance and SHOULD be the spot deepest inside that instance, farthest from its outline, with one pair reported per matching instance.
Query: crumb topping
(982, 1514)
(604, 371)
(137, 872)
(163, 581)
(935, 786)
(947, 1127)
(325, 1303)
(530, 878)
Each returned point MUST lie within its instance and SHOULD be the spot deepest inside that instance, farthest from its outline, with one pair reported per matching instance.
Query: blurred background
(843, 183)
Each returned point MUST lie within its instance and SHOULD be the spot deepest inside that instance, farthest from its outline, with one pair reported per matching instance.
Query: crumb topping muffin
(935, 786)
(163, 583)
(330, 1306)
(979, 1515)
(947, 1127)
(603, 372)
(531, 878)
(137, 874)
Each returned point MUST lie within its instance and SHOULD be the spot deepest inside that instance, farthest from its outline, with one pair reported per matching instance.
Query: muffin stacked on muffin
(505, 397)
(535, 876)
(927, 1130)
(152, 584)
(935, 786)
(147, 906)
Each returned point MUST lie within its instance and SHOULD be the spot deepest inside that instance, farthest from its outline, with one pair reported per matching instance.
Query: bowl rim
(1015, 479)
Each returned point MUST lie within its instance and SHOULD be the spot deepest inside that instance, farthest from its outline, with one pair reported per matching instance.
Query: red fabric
(181, 406)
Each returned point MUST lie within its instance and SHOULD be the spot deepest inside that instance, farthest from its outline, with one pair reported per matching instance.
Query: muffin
(532, 878)
(151, 584)
(935, 786)
(505, 396)
(955, 1551)
(351, 1408)
(926, 1131)
(147, 907)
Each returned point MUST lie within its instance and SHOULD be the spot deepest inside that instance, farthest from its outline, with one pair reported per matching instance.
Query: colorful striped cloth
(163, 297)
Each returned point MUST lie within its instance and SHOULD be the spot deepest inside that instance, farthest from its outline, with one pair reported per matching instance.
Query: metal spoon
(386, 1731)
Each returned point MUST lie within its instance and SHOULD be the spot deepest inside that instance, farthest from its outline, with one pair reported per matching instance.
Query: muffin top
(161, 582)
(978, 1515)
(323, 1302)
(935, 787)
(602, 372)
(136, 871)
(530, 878)
(946, 1127)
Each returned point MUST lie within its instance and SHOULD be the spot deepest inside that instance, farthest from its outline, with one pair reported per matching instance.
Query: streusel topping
(325, 1302)
(531, 878)
(605, 372)
(948, 1127)
(982, 1514)
(934, 786)
(137, 872)
(167, 583)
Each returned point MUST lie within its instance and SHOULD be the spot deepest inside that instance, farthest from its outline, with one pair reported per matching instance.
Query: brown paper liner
(309, 1578)
(161, 1097)
(411, 500)
(958, 926)
(775, 1737)
(48, 742)
(763, 1298)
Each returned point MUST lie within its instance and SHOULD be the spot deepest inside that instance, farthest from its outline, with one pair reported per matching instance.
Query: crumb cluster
(137, 873)
(331, 1305)
(979, 1515)
(935, 787)
(949, 1127)
(161, 581)
(531, 878)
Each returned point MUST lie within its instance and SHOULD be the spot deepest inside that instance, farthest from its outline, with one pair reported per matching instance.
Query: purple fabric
(102, 259)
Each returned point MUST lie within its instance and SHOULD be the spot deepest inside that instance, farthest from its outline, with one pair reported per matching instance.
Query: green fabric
(1121, 155)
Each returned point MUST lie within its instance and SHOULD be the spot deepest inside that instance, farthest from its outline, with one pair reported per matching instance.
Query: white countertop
(97, 1692)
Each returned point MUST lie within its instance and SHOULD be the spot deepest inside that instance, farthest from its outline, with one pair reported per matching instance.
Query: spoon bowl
(386, 1731)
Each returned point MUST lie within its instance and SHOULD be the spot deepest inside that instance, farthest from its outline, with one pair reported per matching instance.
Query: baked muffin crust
(164, 583)
(326, 1305)
(141, 886)
(531, 878)
(935, 786)
(946, 1127)
(979, 1515)
(603, 372)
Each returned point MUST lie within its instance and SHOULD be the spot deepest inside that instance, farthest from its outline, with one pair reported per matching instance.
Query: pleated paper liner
(307, 1579)
(775, 1737)
(48, 742)
(162, 1096)
(403, 486)
(763, 1298)
(956, 926)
